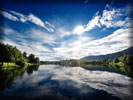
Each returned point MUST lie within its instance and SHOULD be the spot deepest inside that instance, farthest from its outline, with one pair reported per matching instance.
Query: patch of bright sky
(60, 29)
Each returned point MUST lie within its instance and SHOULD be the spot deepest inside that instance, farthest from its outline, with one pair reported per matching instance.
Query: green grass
(12, 65)
(9, 65)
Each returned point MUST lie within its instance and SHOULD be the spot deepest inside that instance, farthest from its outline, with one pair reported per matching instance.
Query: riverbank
(123, 63)
(12, 65)
(11, 57)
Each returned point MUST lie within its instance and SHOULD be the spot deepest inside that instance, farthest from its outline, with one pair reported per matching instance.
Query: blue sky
(60, 31)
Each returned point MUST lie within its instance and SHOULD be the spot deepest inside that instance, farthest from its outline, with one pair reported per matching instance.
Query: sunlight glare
(79, 29)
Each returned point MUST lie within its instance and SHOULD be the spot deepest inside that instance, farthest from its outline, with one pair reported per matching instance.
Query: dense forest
(11, 56)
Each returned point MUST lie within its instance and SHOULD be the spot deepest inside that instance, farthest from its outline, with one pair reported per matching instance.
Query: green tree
(31, 58)
(12, 54)
(2, 52)
(6, 54)
(16, 53)
(36, 60)
(9, 56)
(25, 54)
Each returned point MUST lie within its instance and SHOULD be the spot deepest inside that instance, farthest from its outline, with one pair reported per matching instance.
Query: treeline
(123, 63)
(9, 53)
(73, 62)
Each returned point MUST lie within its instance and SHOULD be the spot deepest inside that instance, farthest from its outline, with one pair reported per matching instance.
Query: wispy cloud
(22, 17)
(7, 31)
(73, 48)
(47, 23)
(56, 46)
(21, 42)
(15, 16)
(30, 47)
(9, 16)
(82, 47)
(38, 35)
(33, 34)
(63, 32)
(110, 17)
(37, 21)
(93, 23)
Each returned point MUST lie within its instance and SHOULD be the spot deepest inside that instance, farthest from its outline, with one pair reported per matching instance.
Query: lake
(55, 82)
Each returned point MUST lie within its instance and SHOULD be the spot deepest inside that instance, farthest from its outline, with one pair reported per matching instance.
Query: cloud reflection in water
(71, 83)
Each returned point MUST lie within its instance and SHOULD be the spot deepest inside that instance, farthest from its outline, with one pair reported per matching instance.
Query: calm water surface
(54, 82)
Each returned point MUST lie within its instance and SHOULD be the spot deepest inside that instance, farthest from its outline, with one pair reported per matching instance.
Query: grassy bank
(11, 57)
(12, 65)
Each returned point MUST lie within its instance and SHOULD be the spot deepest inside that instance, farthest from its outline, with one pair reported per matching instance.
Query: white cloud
(93, 23)
(75, 47)
(110, 17)
(15, 16)
(38, 46)
(9, 16)
(41, 36)
(37, 21)
(29, 47)
(63, 33)
(20, 41)
(72, 48)
(47, 23)
(10, 42)
(6, 31)
(113, 17)
(23, 18)
(84, 46)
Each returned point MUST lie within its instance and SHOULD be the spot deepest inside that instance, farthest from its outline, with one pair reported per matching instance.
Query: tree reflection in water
(54, 82)
(7, 76)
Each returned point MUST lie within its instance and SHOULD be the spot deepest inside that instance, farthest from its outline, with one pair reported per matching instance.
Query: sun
(79, 29)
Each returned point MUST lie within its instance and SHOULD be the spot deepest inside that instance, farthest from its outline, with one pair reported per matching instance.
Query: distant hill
(110, 56)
